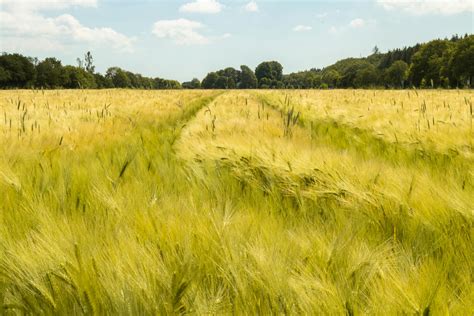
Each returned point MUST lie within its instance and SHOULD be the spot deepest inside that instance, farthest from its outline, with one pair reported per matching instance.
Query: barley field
(340, 202)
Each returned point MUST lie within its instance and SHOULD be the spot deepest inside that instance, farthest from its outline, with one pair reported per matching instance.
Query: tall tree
(89, 63)
(80, 63)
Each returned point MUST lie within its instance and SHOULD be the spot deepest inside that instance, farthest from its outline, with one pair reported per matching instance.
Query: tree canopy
(269, 74)
(439, 63)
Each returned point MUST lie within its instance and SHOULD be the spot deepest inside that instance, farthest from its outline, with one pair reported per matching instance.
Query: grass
(249, 202)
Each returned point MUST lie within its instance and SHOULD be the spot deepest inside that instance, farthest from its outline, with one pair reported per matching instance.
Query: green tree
(103, 82)
(135, 79)
(311, 80)
(144, 82)
(193, 84)
(248, 80)
(160, 83)
(209, 82)
(18, 71)
(221, 83)
(173, 84)
(78, 78)
(303, 80)
(232, 75)
(353, 71)
(4, 77)
(119, 77)
(271, 70)
(228, 78)
(397, 74)
(89, 63)
(265, 83)
(429, 61)
(50, 73)
(462, 60)
(331, 78)
(366, 77)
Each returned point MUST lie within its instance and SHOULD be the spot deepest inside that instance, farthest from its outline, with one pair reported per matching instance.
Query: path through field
(249, 202)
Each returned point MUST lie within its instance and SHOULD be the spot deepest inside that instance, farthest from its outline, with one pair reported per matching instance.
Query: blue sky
(185, 39)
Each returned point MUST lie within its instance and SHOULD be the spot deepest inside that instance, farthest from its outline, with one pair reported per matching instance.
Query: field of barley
(339, 202)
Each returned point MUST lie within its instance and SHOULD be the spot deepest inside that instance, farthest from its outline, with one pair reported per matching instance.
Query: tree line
(440, 63)
(444, 63)
(18, 71)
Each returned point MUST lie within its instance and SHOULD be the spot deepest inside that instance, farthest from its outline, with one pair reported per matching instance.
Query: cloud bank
(180, 31)
(23, 25)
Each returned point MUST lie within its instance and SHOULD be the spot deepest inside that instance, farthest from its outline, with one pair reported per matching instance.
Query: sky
(183, 39)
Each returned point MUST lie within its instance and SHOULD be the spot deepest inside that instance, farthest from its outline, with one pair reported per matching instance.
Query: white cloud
(322, 15)
(357, 23)
(181, 31)
(252, 6)
(72, 28)
(44, 5)
(421, 7)
(23, 26)
(202, 6)
(354, 24)
(302, 28)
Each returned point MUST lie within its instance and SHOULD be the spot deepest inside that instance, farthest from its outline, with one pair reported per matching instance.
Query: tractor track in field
(321, 184)
(369, 146)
